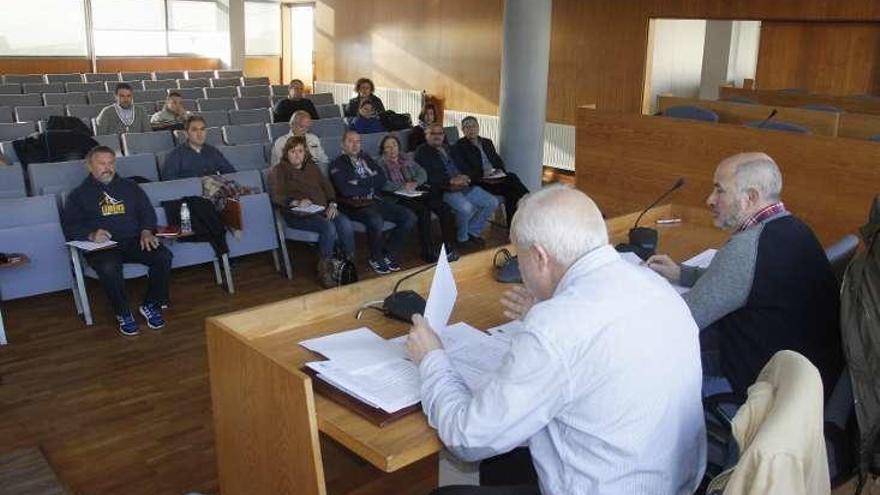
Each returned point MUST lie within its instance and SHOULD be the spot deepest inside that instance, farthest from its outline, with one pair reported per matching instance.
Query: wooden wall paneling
(150, 64)
(821, 123)
(264, 67)
(625, 161)
(44, 65)
(835, 58)
(786, 99)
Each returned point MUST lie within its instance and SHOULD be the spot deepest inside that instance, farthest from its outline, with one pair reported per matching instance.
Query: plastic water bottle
(185, 223)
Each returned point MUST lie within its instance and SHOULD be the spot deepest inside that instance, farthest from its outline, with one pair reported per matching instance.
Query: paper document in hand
(355, 349)
(703, 259)
(408, 194)
(308, 210)
(91, 246)
(441, 298)
(496, 174)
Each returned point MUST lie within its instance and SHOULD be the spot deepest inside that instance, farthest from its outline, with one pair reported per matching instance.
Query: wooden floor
(132, 415)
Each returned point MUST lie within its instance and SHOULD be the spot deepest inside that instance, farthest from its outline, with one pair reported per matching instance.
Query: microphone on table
(400, 304)
(768, 119)
(643, 240)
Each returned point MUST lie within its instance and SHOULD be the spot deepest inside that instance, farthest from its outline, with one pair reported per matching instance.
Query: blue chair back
(215, 118)
(65, 98)
(31, 226)
(211, 104)
(58, 178)
(328, 111)
(19, 100)
(277, 130)
(8, 151)
(245, 156)
(451, 134)
(12, 182)
(254, 116)
(172, 189)
(320, 98)
(251, 102)
(775, 125)
(147, 142)
(6, 116)
(329, 127)
(691, 113)
(254, 91)
(221, 92)
(213, 136)
(84, 87)
(140, 165)
(244, 134)
(16, 130)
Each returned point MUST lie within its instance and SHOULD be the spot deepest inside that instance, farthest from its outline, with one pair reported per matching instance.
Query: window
(262, 28)
(193, 28)
(27, 30)
(129, 27)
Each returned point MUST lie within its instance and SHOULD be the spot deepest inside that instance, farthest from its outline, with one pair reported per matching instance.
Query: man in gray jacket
(123, 116)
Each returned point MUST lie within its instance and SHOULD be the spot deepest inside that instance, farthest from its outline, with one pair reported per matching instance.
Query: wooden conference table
(267, 418)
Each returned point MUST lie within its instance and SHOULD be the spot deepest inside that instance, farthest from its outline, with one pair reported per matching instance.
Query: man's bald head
(756, 171)
(563, 220)
(744, 184)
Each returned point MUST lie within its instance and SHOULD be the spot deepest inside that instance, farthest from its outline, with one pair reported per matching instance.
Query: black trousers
(507, 474)
(423, 207)
(374, 216)
(108, 264)
(511, 188)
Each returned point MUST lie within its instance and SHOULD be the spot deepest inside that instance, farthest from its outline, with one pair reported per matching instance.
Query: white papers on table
(701, 260)
(308, 210)
(409, 194)
(367, 367)
(91, 246)
(441, 298)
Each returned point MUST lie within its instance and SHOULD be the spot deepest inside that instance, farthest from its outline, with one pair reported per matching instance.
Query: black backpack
(395, 121)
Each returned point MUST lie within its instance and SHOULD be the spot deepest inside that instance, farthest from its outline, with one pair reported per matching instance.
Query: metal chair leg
(218, 279)
(81, 285)
(229, 286)
(279, 227)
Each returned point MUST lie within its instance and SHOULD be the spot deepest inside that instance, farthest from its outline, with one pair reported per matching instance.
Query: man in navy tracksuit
(106, 207)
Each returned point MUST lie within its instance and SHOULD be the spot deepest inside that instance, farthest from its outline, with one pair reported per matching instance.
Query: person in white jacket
(603, 381)
(300, 122)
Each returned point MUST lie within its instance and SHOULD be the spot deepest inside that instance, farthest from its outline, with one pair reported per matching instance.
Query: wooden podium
(275, 436)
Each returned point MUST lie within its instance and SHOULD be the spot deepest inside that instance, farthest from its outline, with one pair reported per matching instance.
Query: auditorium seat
(65, 98)
(33, 114)
(321, 98)
(403, 136)
(111, 141)
(255, 116)
(775, 125)
(255, 81)
(58, 178)
(451, 134)
(258, 232)
(215, 118)
(228, 74)
(199, 74)
(58, 87)
(110, 86)
(840, 253)
(332, 146)
(31, 100)
(161, 84)
(101, 97)
(146, 142)
(152, 95)
(251, 102)
(213, 136)
(244, 134)
(101, 76)
(370, 143)
(139, 165)
(32, 226)
(148, 106)
(191, 93)
(245, 156)
(10, 89)
(244, 91)
(277, 130)
(63, 78)
(6, 116)
(225, 83)
(136, 76)
(85, 112)
(280, 90)
(84, 87)
(329, 127)
(22, 78)
(224, 92)
(328, 111)
(12, 182)
(688, 112)
(209, 104)
(166, 75)
(193, 83)
(276, 99)
(16, 130)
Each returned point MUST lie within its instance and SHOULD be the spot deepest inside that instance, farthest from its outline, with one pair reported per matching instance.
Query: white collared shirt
(603, 384)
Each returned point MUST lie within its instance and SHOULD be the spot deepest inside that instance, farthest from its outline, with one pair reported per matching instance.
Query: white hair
(759, 172)
(562, 220)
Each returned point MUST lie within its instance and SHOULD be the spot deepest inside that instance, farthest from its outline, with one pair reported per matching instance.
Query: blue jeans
(472, 207)
(329, 231)
(374, 216)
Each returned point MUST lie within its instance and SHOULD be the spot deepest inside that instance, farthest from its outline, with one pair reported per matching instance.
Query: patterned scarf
(396, 170)
(761, 215)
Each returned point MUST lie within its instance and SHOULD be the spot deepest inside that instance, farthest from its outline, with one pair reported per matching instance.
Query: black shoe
(451, 256)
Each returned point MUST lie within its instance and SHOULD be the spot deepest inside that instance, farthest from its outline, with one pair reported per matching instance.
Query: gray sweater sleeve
(725, 285)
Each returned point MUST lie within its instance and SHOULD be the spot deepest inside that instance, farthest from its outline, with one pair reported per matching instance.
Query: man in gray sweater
(122, 116)
(769, 288)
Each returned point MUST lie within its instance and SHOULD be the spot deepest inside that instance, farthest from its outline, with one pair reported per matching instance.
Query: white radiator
(400, 100)
(558, 138)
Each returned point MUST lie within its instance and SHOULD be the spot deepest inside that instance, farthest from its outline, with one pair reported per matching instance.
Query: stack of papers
(308, 210)
(496, 174)
(701, 260)
(409, 194)
(367, 367)
(91, 246)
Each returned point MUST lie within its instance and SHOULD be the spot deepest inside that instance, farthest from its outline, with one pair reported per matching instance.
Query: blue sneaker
(127, 325)
(379, 267)
(153, 314)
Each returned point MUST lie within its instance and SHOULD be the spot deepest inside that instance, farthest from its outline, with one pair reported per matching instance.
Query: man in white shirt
(603, 382)
(300, 122)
